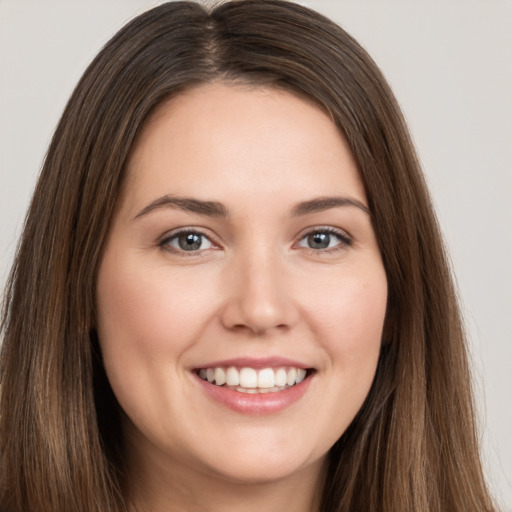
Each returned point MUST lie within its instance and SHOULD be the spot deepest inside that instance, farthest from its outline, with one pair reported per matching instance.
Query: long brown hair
(412, 445)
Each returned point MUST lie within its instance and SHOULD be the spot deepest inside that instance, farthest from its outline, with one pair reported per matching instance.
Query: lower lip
(256, 404)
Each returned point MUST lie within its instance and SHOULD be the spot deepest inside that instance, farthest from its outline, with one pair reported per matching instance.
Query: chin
(264, 465)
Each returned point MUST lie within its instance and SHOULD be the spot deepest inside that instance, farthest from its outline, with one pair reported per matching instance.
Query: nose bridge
(259, 299)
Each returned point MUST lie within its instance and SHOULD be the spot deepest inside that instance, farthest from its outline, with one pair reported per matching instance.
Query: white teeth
(266, 378)
(280, 377)
(301, 375)
(220, 376)
(250, 380)
(291, 376)
(232, 377)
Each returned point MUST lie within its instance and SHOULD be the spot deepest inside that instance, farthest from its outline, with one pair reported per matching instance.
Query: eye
(325, 239)
(186, 241)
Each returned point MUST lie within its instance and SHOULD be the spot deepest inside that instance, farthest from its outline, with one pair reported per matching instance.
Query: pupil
(319, 240)
(190, 241)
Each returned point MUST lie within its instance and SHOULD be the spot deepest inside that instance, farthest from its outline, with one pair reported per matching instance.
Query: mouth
(254, 380)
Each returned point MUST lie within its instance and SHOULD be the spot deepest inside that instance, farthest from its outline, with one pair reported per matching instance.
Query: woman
(242, 296)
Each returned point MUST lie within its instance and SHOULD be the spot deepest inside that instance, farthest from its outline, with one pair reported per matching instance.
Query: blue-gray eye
(323, 239)
(188, 241)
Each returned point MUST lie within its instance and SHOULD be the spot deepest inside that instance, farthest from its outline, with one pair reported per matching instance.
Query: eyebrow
(321, 204)
(207, 208)
(216, 209)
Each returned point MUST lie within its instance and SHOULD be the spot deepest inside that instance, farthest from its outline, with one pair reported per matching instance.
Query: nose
(259, 296)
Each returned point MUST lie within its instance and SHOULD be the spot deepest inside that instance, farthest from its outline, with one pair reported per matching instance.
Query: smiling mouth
(251, 380)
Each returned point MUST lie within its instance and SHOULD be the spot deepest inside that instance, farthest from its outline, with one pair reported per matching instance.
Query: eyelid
(169, 235)
(346, 239)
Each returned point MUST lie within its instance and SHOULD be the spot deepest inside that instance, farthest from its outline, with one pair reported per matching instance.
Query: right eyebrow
(320, 204)
(207, 208)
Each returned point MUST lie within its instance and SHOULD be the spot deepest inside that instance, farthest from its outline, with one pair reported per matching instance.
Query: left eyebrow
(326, 203)
(188, 204)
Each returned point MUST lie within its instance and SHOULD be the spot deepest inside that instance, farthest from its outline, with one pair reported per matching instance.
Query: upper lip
(256, 363)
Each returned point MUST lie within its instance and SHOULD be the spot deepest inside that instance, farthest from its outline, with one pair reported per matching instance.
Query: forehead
(222, 138)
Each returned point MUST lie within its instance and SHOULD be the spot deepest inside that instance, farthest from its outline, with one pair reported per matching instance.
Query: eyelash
(164, 243)
(344, 241)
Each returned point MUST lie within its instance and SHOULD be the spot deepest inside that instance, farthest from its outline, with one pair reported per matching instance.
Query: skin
(254, 288)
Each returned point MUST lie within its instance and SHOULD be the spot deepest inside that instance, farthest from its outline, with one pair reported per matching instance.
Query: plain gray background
(450, 65)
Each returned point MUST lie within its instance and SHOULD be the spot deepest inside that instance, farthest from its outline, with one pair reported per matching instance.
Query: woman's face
(241, 251)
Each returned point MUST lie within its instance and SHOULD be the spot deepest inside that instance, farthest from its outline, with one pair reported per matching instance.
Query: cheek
(148, 318)
(349, 315)
(148, 309)
(352, 307)
(347, 311)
